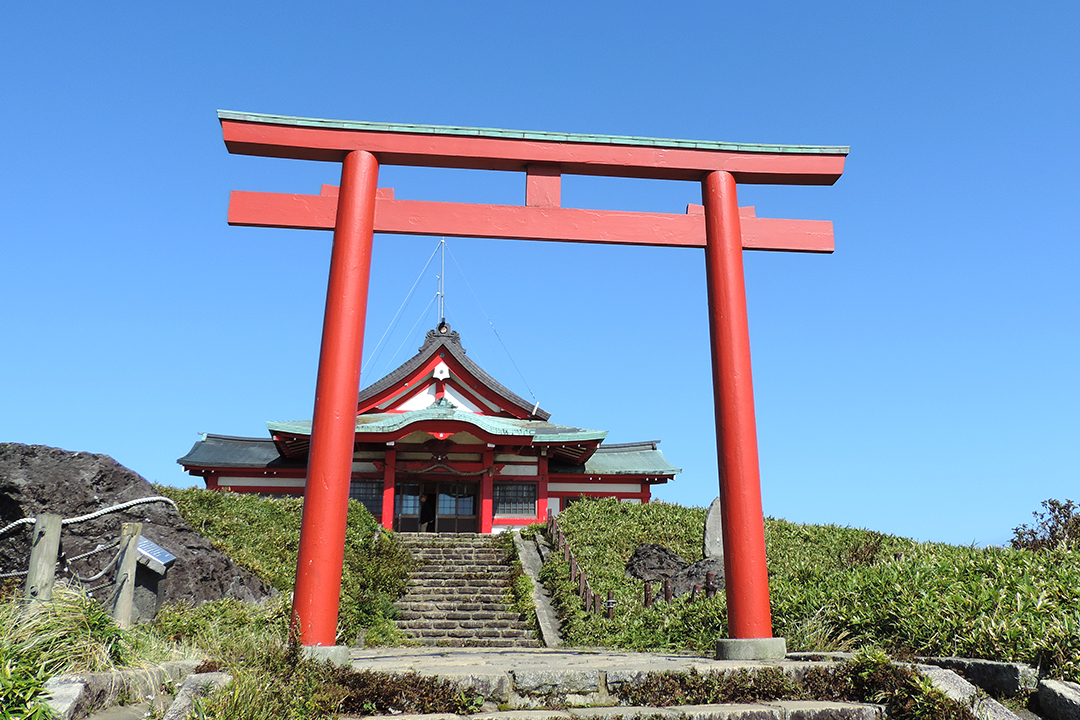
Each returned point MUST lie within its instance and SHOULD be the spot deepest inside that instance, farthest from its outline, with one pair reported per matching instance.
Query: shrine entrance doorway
(428, 505)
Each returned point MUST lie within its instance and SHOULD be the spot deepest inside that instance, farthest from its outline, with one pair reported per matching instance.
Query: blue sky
(921, 381)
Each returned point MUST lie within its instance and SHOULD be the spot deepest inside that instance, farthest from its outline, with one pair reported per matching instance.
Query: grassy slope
(834, 588)
(263, 535)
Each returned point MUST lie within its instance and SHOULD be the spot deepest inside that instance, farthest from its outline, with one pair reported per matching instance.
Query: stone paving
(526, 678)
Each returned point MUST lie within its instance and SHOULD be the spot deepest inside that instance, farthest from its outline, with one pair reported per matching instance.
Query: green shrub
(1057, 528)
(832, 588)
(22, 686)
(870, 677)
(263, 535)
(277, 682)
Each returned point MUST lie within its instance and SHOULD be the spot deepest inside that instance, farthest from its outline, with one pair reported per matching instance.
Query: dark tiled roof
(451, 341)
(228, 451)
(640, 458)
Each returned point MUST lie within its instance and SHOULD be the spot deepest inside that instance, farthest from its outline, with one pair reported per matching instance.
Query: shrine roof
(451, 342)
(640, 458)
(230, 451)
(627, 140)
(376, 423)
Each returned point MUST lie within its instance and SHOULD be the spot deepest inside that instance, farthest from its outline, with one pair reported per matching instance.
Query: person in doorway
(427, 513)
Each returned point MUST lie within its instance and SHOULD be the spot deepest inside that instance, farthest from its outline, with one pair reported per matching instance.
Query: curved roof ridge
(450, 340)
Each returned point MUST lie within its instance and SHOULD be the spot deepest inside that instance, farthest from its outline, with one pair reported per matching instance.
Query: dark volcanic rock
(653, 563)
(37, 479)
(694, 574)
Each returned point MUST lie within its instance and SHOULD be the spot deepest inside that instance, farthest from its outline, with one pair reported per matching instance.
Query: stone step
(457, 607)
(469, 597)
(460, 571)
(451, 615)
(465, 625)
(490, 585)
(470, 634)
(479, 642)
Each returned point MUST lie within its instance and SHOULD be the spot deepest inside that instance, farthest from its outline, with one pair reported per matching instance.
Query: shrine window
(515, 499)
(369, 494)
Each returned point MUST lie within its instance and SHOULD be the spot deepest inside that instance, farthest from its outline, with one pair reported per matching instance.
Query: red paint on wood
(736, 431)
(387, 518)
(456, 151)
(322, 534)
(515, 222)
(543, 186)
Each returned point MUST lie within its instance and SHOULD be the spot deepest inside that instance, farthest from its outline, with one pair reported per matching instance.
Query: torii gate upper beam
(359, 209)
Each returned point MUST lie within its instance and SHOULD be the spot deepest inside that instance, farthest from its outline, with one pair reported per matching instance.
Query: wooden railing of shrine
(592, 600)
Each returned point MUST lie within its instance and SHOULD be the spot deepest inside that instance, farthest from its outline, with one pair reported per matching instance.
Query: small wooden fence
(45, 557)
(592, 600)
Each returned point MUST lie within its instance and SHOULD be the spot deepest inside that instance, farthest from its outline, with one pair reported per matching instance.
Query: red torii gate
(358, 209)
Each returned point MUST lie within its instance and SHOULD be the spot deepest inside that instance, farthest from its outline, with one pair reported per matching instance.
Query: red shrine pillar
(747, 583)
(333, 430)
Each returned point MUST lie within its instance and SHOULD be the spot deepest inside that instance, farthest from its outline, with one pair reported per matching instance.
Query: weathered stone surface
(654, 563)
(195, 686)
(523, 715)
(546, 682)
(1059, 700)
(996, 678)
(751, 649)
(75, 696)
(36, 479)
(694, 574)
(960, 690)
(730, 712)
(712, 545)
(621, 711)
(816, 710)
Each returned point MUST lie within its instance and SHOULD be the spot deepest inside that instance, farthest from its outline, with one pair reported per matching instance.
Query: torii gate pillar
(746, 577)
(322, 542)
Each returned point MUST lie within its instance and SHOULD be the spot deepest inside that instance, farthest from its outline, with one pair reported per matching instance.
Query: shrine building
(441, 442)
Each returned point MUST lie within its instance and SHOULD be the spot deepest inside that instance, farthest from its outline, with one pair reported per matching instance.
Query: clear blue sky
(920, 381)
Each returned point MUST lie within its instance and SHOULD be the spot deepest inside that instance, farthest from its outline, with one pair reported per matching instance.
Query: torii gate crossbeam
(358, 209)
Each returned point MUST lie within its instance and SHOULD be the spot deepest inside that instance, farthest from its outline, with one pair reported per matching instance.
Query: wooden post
(694, 593)
(610, 604)
(43, 551)
(648, 594)
(667, 589)
(582, 585)
(573, 569)
(710, 584)
(597, 603)
(125, 574)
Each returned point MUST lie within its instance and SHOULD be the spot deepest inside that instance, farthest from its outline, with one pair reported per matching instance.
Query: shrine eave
(380, 424)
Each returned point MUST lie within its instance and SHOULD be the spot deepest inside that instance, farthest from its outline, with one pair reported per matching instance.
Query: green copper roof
(539, 430)
(532, 135)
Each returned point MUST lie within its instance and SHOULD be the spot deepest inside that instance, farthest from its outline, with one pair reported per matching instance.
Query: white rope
(17, 573)
(111, 564)
(95, 551)
(17, 523)
(118, 508)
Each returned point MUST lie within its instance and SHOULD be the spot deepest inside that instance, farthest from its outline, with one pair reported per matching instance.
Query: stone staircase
(457, 595)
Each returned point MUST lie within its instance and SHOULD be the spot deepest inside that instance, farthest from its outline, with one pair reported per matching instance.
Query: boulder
(38, 479)
(654, 563)
(712, 545)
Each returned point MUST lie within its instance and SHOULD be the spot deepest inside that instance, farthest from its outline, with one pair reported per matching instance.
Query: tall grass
(834, 588)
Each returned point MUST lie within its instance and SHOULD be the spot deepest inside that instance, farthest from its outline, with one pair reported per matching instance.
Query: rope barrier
(93, 515)
(17, 523)
(111, 564)
(95, 551)
(118, 508)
